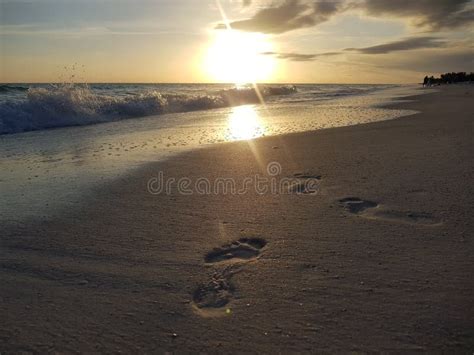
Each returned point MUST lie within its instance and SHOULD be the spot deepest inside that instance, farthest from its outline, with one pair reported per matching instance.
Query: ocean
(27, 107)
(59, 142)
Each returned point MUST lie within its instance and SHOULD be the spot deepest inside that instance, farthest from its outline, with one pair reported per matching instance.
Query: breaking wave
(12, 88)
(74, 105)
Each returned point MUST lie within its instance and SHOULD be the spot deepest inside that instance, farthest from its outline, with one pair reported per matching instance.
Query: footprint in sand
(420, 218)
(371, 209)
(305, 184)
(306, 176)
(356, 205)
(242, 249)
(210, 298)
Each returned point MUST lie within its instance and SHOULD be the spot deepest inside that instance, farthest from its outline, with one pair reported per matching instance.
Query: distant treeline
(449, 78)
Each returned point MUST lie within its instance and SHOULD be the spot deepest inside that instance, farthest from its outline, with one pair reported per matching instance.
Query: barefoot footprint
(370, 209)
(215, 294)
(306, 176)
(242, 249)
(356, 205)
(420, 218)
(305, 183)
(209, 298)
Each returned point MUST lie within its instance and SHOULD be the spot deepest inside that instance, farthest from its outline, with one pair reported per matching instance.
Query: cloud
(436, 14)
(402, 45)
(246, 3)
(287, 16)
(397, 46)
(299, 57)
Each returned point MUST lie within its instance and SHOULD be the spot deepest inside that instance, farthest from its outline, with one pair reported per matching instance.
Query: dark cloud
(397, 46)
(246, 3)
(436, 14)
(299, 57)
(288, 15)
(402, 45)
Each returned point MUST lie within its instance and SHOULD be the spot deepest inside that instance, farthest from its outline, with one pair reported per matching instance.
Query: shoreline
(85, 158)
(377, 260)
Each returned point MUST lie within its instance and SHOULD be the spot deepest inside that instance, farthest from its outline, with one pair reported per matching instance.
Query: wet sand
(368, 248)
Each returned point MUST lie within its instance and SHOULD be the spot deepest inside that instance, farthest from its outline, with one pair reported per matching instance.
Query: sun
(238, 57)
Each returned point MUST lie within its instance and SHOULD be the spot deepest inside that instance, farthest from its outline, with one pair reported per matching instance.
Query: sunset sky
(346, 41)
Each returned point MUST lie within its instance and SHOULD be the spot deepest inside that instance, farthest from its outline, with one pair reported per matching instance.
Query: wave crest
(12, 88)
(72, 105)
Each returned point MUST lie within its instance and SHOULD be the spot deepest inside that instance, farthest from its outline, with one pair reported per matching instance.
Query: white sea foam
(77, 105)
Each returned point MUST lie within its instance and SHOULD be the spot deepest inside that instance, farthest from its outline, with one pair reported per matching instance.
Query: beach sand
(377, 255)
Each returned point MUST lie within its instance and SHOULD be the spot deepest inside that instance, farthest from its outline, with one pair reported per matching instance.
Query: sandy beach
(368, 248)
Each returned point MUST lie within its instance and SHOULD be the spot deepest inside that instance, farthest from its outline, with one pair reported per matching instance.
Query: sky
(288, 41)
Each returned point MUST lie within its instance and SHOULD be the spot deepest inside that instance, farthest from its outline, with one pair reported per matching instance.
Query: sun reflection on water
(244, 123)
